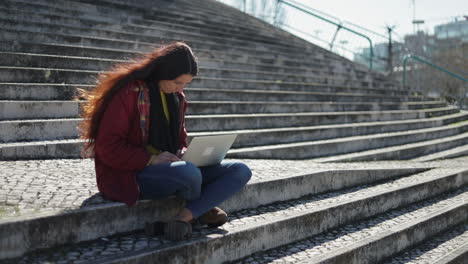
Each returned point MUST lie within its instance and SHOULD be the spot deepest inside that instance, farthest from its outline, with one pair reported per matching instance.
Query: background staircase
(295, 107)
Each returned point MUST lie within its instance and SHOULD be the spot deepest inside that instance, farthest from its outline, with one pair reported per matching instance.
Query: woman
(134, 127)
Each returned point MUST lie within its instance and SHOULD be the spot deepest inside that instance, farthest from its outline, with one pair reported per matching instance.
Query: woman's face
(176, 85)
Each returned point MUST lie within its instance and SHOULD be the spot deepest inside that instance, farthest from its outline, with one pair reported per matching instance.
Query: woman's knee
(187, 171)
(242, 172)
(189, 175)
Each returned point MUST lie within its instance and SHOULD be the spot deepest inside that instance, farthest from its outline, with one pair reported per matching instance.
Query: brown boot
(173, 230)
(177, 230)
(213, 218)
(155, 228)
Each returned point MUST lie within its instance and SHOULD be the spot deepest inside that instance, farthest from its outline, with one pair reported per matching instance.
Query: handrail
(414, 57)
(315, 37)
(339, 26)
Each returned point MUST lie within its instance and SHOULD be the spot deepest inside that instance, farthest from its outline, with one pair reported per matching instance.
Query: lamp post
(417, 22)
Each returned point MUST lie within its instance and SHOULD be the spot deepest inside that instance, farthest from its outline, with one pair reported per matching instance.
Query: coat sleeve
(183, 137)
(183, 131)
(112, 143)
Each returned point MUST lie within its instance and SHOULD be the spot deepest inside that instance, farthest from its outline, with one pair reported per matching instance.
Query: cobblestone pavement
(36, 186)
(315, 202)
(41, 185)
(352, 233)
(435, 249)
(245, 219)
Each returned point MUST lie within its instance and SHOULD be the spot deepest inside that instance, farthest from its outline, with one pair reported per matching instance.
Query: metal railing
(419, 59)
(338, 27)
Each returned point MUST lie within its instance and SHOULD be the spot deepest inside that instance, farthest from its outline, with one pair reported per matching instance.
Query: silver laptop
(208, 150)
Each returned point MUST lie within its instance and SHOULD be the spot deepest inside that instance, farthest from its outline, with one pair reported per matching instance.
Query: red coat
(120, 148)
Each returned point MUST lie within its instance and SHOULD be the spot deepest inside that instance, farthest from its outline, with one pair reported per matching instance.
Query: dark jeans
(203, 188)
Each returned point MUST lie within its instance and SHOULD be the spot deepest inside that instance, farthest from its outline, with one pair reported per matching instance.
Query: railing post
(336, 24)
(334, 36)
(276, 13)
(405, 59)
(390, 50)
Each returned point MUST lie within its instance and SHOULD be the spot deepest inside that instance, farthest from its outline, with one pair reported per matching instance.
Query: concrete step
(58, 220)
(34, 130)
(250, 20)
(449, 247)
(53, 149)
(154, 37)
(39, 91)
(99, 63)
(322, 52)
(76, 57)
(100, 29)
(74, 9)
(39, 60)
(295, 78)
(17, 110)
(49, 145)
(44, 75)
(403, 152)
(246, 107)
(119, 53)
(267, 28)
(14, 110)
(233, 26)
(208, 68)
(71, 9)
(210, 57)
(227, 31)
(70, 50)
(282, 35)
(138, 44)
(228, 14)
(156, 28)
(447, 154)
(65, 114)
(238, 80)
(270, 91)
(228, 91)
(198, 123)
(282, 223)
(93, 11)
(17, 61)
(341, 146)
(258, 137)
(201, 17)
(376, 239)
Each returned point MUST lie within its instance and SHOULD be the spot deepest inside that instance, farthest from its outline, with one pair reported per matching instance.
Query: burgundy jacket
(120, 148)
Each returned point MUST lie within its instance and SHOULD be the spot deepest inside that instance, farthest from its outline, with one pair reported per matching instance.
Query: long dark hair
(163, 63)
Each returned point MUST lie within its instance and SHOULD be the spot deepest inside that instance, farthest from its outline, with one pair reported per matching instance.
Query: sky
(371, 14)
(375, 14)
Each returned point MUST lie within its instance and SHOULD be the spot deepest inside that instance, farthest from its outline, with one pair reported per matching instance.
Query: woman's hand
(164, 157)
(181, 152)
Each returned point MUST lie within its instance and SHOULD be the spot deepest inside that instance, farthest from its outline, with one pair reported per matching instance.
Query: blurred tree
(452, 55)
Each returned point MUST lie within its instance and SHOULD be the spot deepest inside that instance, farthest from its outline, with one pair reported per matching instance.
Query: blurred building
(456, 29)
(450, 37)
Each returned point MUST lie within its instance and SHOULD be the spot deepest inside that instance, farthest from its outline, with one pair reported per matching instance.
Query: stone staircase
(298, 110)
